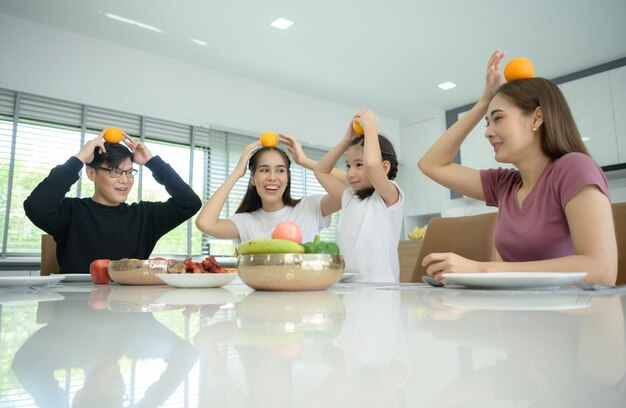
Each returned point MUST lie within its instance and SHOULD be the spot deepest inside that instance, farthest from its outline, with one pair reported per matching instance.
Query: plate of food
(515, 280)
(206, 274)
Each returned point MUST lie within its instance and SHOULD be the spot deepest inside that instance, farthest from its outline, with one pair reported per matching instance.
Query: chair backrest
(619, 219)
(49, 262)
(469, 236)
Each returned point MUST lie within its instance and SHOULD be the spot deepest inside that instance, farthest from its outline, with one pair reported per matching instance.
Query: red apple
(99, 270)
(287, 230)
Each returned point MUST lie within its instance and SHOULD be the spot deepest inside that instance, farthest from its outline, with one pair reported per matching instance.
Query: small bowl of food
(290, 271)
(143, 272)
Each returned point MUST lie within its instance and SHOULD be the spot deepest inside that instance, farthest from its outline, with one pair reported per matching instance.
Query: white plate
(197, 280)
(347, 276)
(198, 296)
(515, 280)
(30, 280)
(531, 302)
(76, 277)
(30, 297)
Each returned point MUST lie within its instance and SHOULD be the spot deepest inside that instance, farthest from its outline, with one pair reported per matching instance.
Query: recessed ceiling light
(281, 23)
(447, 85)
(133, 22)
(199, 42)
(586, 139)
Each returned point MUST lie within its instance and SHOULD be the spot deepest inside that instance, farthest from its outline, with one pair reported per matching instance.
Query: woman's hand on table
(438, 263)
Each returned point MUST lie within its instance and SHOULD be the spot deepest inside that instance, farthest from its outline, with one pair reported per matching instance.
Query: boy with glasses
(104, 226)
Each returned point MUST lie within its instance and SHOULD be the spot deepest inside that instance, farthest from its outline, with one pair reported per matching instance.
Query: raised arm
(297, 152)
(591, 224)
(323, 168)
(43, 205)
(372, 159)
(209, 220)
(437, 162)
(329, 203)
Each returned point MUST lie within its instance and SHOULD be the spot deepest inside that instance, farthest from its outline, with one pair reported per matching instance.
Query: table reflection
(272, 330)
(558, 351)
(79, 334)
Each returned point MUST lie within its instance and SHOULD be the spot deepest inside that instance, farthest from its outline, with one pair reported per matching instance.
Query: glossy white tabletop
(352, 345)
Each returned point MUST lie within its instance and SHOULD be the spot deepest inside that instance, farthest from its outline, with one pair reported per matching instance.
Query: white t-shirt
(368, 235)
(260, 223)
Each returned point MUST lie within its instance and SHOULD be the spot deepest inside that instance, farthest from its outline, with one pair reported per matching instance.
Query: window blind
(50, 130)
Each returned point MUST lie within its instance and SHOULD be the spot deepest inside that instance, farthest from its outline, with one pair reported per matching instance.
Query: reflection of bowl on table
(264, 316)
(198, 296)
(142, 272)
(290, 271)
(138, 299)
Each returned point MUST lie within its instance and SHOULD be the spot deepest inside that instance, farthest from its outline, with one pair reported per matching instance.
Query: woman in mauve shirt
(554, 208)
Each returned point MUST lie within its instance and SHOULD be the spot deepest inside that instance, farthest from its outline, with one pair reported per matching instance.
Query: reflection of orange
(269, 139)
(113, 135)
(519, 68)
(357, 128)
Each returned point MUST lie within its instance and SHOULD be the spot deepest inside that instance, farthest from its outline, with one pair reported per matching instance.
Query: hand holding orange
(519, 68)
(357, 127)
(269, 139)
(113, 135)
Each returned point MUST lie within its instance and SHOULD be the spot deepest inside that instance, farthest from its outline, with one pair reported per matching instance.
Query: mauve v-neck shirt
(538, 230)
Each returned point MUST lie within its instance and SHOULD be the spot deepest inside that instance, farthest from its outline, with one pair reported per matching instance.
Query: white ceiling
(388, 55)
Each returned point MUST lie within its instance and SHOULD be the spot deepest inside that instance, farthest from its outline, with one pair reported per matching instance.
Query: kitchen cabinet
(591, 104)
(617, 81)
(422, 195)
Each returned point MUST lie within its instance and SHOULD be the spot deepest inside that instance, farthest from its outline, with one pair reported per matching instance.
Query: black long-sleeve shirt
(85, 230)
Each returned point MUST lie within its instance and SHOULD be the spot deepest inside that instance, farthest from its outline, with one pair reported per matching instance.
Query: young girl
(267, 200)
(371, 219)
(554, 209)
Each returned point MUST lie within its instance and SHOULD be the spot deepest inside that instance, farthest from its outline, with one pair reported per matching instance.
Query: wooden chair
(469, 236)
(619, 220)
(49, 264)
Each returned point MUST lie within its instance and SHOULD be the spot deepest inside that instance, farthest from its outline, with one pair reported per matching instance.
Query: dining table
(77, 344)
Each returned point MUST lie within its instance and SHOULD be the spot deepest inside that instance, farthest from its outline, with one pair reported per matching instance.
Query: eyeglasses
(117, 173)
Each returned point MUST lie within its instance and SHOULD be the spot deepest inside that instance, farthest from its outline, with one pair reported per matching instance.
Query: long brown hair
(559, 133)
(251, 201)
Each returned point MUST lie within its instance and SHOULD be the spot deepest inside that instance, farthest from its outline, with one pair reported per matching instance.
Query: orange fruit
(269, 139)
(357, 127)
(113, 135)
(519, 68)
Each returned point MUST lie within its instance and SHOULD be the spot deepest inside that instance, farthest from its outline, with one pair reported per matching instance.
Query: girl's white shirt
(368, 235)
(260, 223)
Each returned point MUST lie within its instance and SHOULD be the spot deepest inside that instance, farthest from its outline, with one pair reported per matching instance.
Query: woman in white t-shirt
(268, 198)
(371, 219)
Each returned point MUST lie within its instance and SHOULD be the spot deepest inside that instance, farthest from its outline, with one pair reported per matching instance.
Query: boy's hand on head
(86, 154)
(141, 153)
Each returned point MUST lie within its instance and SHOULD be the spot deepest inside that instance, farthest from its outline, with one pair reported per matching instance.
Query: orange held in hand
(519, 68)
(269, 139)
(113, 135)
(357, 128)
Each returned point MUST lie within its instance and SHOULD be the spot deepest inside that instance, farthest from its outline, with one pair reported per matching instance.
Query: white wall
(46, 61)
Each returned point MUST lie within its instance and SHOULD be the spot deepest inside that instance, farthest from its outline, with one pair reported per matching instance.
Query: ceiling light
(133, 22)
(199, 42)
(586, 139)
(447, 85)
(281, 23)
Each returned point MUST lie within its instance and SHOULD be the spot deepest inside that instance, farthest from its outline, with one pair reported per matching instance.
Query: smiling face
(270, 179)
(108, 190)
(357, 177)
(510, 131)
